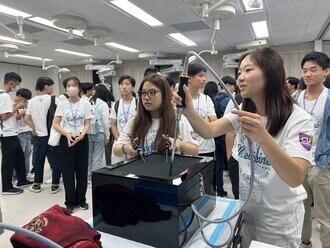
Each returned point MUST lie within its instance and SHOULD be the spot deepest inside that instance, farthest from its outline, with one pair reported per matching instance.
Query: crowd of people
(286, 119)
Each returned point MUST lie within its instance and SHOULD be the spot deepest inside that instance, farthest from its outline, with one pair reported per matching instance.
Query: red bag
(58, 225)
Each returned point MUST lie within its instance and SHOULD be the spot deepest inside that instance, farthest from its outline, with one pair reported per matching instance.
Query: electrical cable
(36, 236)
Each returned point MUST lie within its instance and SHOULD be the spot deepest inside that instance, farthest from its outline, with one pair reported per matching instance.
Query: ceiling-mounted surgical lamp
(207, 5)
(108, 70)
(20, 35)
(57, 70)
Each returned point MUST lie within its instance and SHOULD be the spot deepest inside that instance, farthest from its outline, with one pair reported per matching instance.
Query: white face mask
(14, 90)
(72, 91)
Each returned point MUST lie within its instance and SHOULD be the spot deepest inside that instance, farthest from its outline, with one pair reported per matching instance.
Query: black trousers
(74, 168)
(234, 176)
(12, 158)
(208, 175)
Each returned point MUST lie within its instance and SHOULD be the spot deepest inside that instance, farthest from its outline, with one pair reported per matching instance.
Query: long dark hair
(278, 102)
(143, 121)
(101, 92)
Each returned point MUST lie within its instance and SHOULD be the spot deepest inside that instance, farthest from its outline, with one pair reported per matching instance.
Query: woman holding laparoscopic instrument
(281, 135)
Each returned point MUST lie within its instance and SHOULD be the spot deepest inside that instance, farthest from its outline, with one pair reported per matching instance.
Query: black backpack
(51, 113)
(219, 109)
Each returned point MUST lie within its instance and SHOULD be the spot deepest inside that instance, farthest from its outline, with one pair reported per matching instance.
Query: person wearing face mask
(36, 118)
(75, 114)
(12, 153)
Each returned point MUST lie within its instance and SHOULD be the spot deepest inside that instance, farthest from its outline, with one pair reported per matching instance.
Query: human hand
(252, 126)
(177, 100)
(71, 140)
(20, 105)
(178, 144)
(79, 138)
(129, 149)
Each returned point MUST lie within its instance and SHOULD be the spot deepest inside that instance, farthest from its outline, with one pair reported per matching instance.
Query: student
(88, 90)
(211, 89)
(149, 71)
(98, 133)
(24, 131)
(76, 114)
(282, 138)
(205, 108)
(293, 86)
(36, 118)
(154, 120)
(315, 67)
(12, 153)
(123, 110)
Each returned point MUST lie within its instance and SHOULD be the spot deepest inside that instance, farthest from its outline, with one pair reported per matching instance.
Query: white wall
(29, 75)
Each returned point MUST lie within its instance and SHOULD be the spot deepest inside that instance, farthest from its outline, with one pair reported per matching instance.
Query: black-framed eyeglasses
(149, 93)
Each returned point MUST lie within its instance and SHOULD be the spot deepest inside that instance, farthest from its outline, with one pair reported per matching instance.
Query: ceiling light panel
(13, 12)
(122, 47)
(28, 57)
(260, 29)
(16, 41)
(182, 39)
(73, 53)
(49, 23)
(138, 13)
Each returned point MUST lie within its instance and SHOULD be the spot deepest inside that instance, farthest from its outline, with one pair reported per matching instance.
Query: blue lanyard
(304, 104)
(74, 116)
(126, 113)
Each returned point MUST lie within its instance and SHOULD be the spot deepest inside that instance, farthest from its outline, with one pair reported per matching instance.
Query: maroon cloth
(58, 225)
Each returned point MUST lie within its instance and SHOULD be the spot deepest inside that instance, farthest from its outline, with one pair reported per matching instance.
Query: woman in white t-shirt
(154, 120)
(281, 135)
(98, 133)
(76, 114)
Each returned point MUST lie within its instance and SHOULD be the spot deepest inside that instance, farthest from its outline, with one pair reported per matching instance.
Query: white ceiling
(294, 21)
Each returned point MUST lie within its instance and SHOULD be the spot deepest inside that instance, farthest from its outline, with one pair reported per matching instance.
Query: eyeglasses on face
(149, 93)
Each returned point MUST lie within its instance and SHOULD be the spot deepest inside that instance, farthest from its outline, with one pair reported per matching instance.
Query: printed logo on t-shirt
(306, 141)
(193, 135)
(262, 166)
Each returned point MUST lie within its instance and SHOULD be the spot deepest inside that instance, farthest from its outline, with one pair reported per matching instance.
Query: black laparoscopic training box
(143, 202)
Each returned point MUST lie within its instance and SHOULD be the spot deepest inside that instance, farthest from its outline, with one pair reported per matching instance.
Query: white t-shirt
(38, 108)
(6, 106)
(272, 200)
(103, 115)
(125, 113)
(21, 125)
(186, 134)
(316, 109)
(205, 108)
(74, 114)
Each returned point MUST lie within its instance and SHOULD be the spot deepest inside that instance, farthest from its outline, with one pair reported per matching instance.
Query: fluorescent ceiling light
(22, 42)
(252, 5)
(49, 23)
(260, 29)
(73, 53)
(13, 12)
(126, 48)
(136, 12)
(183, 39)
(28, 57)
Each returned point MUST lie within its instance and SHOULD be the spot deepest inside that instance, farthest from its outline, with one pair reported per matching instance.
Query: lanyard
(197, 109)
(126, 113)
(304, 104)
(74, 114)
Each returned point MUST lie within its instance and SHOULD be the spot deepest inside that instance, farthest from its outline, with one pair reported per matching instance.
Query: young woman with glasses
(154, 122)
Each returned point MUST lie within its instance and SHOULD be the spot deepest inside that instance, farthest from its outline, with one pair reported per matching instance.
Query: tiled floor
(20, 209)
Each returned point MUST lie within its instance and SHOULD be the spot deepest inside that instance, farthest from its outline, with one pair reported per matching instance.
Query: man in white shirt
(122, 110)
(36, 118)
(203, 104)
(12, 153)
(88, 90)
(315, 67)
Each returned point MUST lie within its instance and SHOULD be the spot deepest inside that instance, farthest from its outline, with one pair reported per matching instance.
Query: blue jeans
(41, 146)
(96, 151)
(25, 141)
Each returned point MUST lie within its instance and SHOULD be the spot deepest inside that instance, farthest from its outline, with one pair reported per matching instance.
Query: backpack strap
(116, 107)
